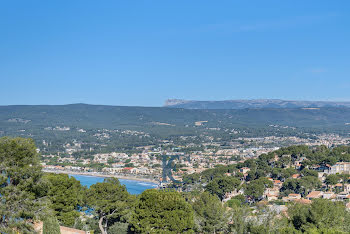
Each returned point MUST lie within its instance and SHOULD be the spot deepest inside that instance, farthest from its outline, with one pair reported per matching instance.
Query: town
(196, 158)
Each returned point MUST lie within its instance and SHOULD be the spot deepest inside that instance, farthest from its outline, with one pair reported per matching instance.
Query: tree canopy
(210, 214)
(320, 215)
(255, 189)
(22, 190)
(222, 185)
(110, 201)
(162, 212)
(66, 194)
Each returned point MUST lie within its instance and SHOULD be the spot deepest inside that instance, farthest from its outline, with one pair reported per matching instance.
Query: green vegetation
(162, 212)
(332, 179)
(236, 201)
(43, 123)
(276, 165)
(28, 195)
(51, 226)
(210, 214)
(328, 216)
(222, 185)
(22, 188)
(256, 188)
(110, 201)
(65, 194)
(301, 186)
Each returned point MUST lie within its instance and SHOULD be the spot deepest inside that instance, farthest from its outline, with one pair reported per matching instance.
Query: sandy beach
(102, 175)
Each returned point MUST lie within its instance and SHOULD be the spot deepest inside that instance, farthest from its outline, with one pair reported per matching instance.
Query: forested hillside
(123, 117)
(121, 126)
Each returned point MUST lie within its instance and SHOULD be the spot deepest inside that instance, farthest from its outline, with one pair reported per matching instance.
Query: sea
(133, 186)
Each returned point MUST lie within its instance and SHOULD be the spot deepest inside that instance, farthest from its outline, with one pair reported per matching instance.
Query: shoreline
(103, 175)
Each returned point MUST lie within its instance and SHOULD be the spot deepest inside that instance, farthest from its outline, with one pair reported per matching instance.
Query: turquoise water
(133, 186)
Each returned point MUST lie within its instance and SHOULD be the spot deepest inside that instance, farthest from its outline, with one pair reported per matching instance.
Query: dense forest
(121, 128)
(158, 118)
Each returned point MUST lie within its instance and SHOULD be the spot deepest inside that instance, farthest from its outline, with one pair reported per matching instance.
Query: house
(271, 197)
(342, 196)
(321, 168)
(144, 170)
(232, 194)
(118, 165)
(272, 191)
(277, 183)
(244, 170)
(296, 176)
(340, 167)
(303, 201)
(292, 197)
(340, 187)
(328, 195)
(135, 170)
(297, 164)
(127, 169)
(314, 194)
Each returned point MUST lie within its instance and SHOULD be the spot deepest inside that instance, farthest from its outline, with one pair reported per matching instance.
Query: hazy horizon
(164, 102)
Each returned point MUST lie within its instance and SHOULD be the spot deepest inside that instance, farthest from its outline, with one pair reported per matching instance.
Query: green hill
(123, 117)
(154, 124)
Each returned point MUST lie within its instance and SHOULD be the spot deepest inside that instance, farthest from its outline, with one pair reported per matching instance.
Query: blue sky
(143, 52)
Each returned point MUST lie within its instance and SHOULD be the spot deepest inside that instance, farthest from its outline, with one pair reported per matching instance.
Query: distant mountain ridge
(254, 103)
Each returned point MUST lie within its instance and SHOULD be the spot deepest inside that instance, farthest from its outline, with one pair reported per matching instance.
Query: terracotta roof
(303, 201)
(314, 194)
(128, 168)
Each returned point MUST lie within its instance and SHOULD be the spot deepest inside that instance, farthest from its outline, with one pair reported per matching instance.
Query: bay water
(133, 186)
